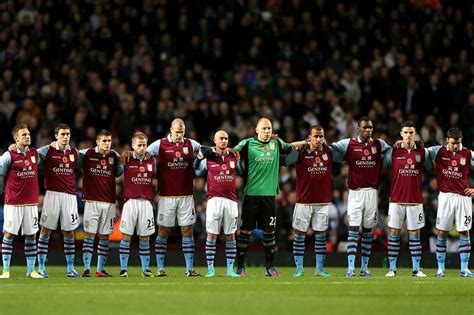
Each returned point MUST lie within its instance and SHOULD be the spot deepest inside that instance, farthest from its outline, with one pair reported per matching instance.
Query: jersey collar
(171, 140)
(360, 140)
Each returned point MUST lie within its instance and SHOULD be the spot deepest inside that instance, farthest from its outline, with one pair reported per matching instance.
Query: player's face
(221, 139)
(23, 137)
(454, 144)
(264, 130)
(104, 143)
(365, 130)
(177, 133)
(408, 134)
(63, 136)
(139, 145)
(316, 139)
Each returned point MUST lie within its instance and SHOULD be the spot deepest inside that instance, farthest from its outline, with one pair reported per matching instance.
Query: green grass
(254, 294)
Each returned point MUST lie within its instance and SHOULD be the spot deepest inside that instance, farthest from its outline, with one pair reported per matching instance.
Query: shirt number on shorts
(420, 217)
(35, 222)
(74, 217)
(273, 221)
(112, 221)
(149, 223)
(467, 219)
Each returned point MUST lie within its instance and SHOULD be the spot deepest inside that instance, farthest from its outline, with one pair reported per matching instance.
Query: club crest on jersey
(325, 157)
(224, 167)
(272, 146)
(71, 157)
(454, 163)
(366, 152)
(102, 162)
(418, 158)
(33, 159)
(177, 154)
(232, 164)
(462, 161)
(150, 167)
(409, 161)
(111, 161)
(374, 150)
(65, 160)
(185, 150)
(142, 169)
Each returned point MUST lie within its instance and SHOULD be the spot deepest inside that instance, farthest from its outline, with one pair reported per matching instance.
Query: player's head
(139, 143)
(62, 133)
(454, 139)
(177, 130)
(264, 129)
(408, 131)
(316, 137)
(221, 139)
(21, 135)
(365, 128)
(104, 140)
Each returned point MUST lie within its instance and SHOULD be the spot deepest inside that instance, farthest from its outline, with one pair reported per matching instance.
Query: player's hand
(469, 192)
(125, 157)
(12, 147)
(274, 136)
(397, 144)
(419, 144)
(53, 144)
(235, 153)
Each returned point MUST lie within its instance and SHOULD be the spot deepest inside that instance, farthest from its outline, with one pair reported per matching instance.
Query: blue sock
(298, 250)
(320, 250)
(145, 255)
(393, 249)
(188, 250)
(69, 252)
(87, 251)
(30, 254)
(124, 254)
(210, 253)
(415, 250)
(464, 252)
(441, 252)
(366, 250)
(43, 243)
(230, 252)
(102, 253)
(160, 250)
(351, 249)
(7, 249)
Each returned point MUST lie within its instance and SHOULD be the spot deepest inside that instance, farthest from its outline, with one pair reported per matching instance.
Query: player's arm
(154, 148)
(472, 160)
(291, 158)
(433, 151)
(240, 168)
(384, 147)
(200, 167)
(428, 165)
(387, 158)
(339, 150)
(5, 161)
(42, 152)
(119, 166)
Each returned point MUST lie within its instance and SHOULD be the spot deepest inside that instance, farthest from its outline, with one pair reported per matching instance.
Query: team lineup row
(175, 160)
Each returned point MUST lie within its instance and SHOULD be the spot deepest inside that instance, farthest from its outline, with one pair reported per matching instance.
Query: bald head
(264, 129)
(221, 139)
(177, 130)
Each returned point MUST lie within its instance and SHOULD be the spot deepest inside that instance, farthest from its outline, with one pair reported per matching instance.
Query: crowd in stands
(222, 64)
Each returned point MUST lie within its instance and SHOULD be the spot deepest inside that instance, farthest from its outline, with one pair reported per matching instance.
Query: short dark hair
(316, 127)
(17, 128)
(407, 123)
(103, 133)
(364, 118)
(61, 126)
(454, 133)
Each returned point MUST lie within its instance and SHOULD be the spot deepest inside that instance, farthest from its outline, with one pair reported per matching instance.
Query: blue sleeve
(387, 158)
(428, 161)
(154, 148)
(472, 160)
(433, 151)
(196, 146)
(200, 167)
(42, 153)
(339, 150)
(384, 146)
(120, 167)
(5, 161)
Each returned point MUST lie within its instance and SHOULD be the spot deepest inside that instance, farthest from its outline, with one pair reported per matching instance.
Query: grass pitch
(254, 294)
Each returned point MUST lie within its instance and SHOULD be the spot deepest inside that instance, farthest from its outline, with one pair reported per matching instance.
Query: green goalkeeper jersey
(262, 164)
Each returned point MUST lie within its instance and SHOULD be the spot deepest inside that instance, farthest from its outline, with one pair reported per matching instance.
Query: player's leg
(166, 221)
(29, 229)
(415, 221)
(230, 219)
(396, 216)
(145, 228)
(369, 221)
(214, 217)
(186, 216)
(87, 253)
(106, 227)
(69, 217)
(354, 213)
(128, 223)
(320, 224)
(7, 241)
(444, 223)
(301, 221)
(69, 252)
(441, 244)
(247, 224)
(49, 222)
(266, 219)
(91, 223)
(124, 251)
(463, 220)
